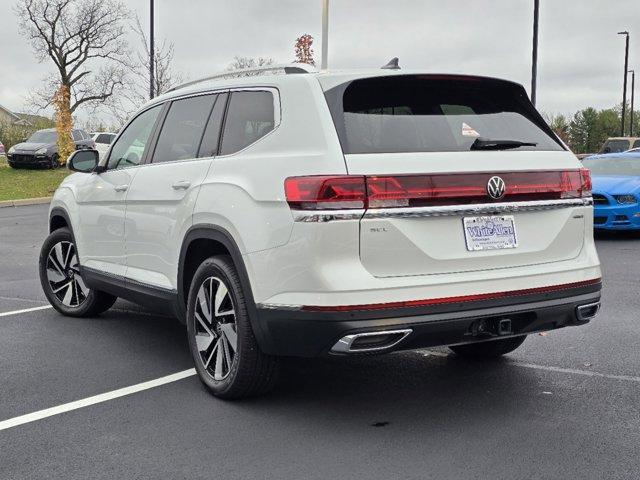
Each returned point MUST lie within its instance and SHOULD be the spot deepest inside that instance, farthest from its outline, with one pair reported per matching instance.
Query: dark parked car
(41, 149)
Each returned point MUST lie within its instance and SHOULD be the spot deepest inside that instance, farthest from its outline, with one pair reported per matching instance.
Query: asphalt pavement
(564, 405)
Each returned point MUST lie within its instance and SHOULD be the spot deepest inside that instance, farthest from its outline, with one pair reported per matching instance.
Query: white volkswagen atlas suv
(288, 212)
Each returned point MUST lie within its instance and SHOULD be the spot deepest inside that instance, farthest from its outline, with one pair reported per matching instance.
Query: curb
(25, 201)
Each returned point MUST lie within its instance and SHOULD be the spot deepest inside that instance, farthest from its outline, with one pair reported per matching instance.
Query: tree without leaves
(164, 76)
(85, 39)
(136, 91)
(241, 63)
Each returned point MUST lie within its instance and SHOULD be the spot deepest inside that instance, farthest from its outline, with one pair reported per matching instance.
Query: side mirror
(84, 161)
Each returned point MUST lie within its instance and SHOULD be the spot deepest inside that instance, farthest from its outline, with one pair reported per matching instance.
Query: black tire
(13, 165)
(489, 349)
(55, 162)
(250, 372)
(84, 303)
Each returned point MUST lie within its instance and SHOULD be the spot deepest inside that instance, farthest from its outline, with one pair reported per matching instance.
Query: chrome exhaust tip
(584, 313)
(370, 341)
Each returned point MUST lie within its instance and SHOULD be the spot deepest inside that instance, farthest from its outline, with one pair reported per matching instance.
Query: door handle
(121, 188)
(182, 184)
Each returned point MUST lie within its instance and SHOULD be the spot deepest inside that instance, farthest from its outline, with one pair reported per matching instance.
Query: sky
(580, 56)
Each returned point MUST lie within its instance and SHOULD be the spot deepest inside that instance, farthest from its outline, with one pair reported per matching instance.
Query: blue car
(616, 190)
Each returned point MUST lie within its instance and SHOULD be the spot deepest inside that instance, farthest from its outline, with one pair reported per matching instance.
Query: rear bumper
(314, 333)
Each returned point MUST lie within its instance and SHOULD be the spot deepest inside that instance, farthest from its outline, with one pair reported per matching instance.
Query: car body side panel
(244, 192)
(158, 217)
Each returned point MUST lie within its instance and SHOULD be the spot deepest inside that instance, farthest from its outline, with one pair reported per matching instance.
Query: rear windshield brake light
(393, 191)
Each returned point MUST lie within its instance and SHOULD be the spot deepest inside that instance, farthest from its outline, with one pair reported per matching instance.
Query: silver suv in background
(103, 141)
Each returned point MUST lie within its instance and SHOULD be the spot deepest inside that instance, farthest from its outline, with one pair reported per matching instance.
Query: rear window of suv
(423, 113)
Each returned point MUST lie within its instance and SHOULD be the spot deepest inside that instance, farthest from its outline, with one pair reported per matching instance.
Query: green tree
(582, 130)
(560, 125)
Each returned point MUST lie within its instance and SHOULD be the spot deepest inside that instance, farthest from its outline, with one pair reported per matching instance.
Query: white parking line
(533, 366)
(103, 397)
(25, 310)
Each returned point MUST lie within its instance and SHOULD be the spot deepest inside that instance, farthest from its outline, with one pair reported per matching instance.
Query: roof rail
(289, 68)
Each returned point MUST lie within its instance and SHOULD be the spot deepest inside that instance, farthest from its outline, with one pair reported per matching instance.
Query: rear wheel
(490, 349)
(62, 282)
(224, 349)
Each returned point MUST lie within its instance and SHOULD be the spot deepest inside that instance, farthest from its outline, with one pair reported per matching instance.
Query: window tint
(129, 148)
(211, 139)
(105, 138)
(76, 135)
(636, 144)
(615, 146)
(43, 136)
(618, 166)
(250, 116)
(182, 129)
(419, 113)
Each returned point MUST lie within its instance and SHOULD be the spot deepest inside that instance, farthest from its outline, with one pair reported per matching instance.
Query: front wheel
(489, 349)
(55, 162)
(62, 282)
(224, 349)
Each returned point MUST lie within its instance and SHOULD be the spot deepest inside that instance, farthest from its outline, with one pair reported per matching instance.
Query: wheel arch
(200, 242)
(59, 218)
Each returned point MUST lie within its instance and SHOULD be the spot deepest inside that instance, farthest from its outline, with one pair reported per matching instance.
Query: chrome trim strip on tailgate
(319, 216)
(478, 209)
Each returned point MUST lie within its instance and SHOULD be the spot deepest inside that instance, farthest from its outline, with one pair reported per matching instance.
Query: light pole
(325, 34)
(151, 51)
(624, 85)
(633, 88)
(534, 55)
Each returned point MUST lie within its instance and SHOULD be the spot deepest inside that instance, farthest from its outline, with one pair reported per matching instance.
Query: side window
(128, 149)
(182, 129)
(104, 138)
(636, 144)
(211, 138)
(76, 135)
(250, 117)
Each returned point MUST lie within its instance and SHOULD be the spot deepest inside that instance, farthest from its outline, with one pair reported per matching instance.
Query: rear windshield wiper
(489, 144)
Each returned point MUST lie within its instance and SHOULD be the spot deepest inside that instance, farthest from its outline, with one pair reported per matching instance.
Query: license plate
(490, 233)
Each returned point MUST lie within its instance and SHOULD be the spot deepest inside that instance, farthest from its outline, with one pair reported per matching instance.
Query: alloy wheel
(63, 275)
(215, 327)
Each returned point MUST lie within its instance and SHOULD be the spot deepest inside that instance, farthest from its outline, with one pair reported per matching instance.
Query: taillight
(585, 176)
(393, 191)
(325, 192)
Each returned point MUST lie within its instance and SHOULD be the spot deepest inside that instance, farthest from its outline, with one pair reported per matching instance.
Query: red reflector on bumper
(448, 300)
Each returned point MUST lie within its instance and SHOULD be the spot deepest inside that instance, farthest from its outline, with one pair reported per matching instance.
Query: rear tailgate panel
(391, 246)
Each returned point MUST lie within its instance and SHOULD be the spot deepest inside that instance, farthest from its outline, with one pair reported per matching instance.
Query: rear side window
(250, 116)
(211, 138)
(636, 144)
(615, 146)
(182, 129)
(421, 113)
(76, 135)
(104, 138)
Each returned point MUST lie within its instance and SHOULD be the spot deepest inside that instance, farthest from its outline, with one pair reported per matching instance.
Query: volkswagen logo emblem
(496, 188)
